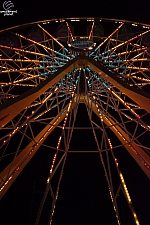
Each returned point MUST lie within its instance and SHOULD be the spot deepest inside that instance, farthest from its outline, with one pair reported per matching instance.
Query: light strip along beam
(106, 39)
(43, 46)
(13, 107)
(137, 95)
(135, 151)
(26, 155)
(55, 40)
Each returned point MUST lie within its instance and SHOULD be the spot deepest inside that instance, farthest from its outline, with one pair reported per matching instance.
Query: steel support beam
(13, 107)
(139, 96)
(135, 151)
(11, 172)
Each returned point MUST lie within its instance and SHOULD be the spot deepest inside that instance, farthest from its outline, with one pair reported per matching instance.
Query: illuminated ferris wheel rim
(54, 80)
(78, 19)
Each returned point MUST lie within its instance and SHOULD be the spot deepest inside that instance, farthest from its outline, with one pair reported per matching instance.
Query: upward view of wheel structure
(50, 72)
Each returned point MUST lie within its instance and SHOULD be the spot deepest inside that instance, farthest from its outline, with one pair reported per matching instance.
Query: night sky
(83, 197)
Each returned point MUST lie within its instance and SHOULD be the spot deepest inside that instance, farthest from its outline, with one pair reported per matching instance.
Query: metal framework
(43, 82)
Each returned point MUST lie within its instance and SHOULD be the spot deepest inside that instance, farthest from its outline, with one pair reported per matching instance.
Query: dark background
(30, 11)
(84, 197)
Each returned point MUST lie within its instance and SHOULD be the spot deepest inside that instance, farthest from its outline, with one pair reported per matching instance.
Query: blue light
(69, 52)
(62, 54)
(55, 57)
(42, 74)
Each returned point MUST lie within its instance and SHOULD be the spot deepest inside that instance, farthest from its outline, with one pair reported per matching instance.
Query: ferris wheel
(47, 70)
